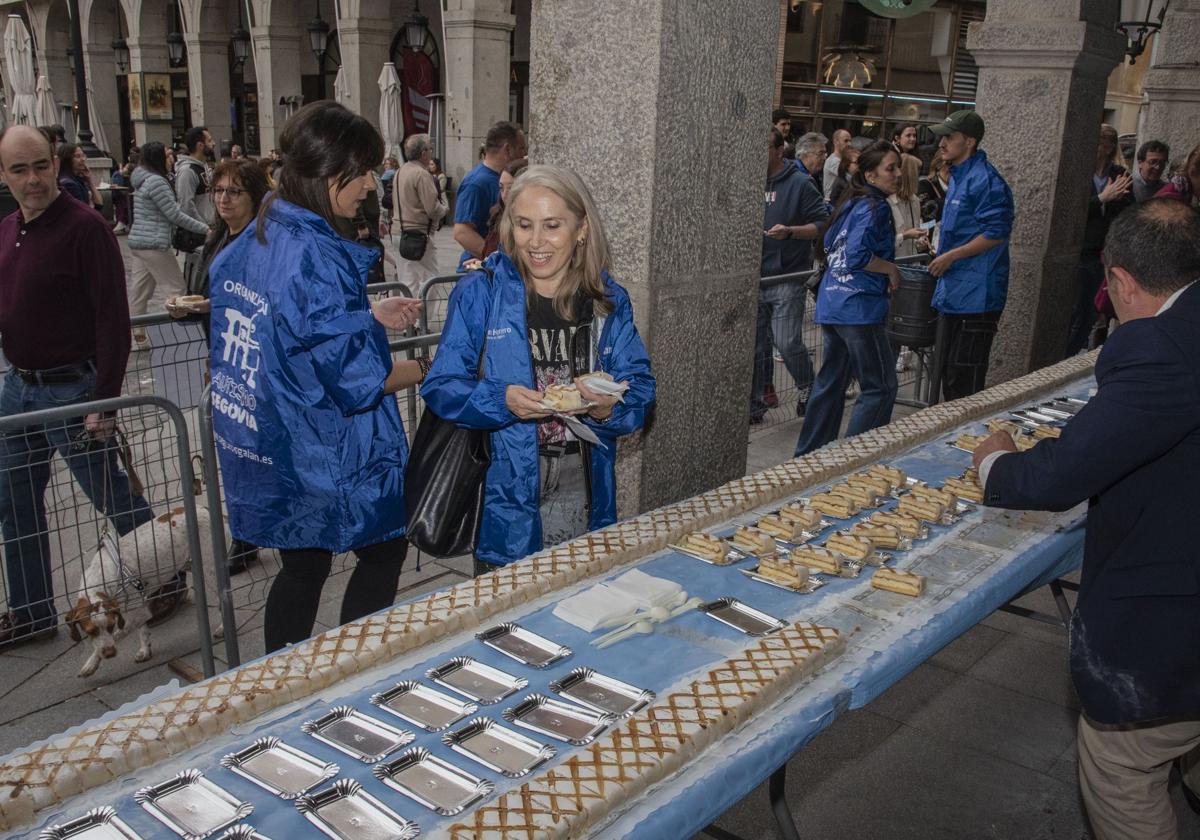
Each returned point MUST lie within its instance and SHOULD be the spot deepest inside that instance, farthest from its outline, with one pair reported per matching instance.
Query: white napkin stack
(633, 590)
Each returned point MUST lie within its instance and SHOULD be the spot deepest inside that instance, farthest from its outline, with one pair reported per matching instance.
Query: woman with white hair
(418, 205)
(542, 312)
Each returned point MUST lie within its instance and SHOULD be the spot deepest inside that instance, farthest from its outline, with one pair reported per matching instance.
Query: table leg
(784, 823)
(1060, 600)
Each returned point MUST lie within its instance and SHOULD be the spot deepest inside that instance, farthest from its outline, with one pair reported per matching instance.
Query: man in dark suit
(1134, 453)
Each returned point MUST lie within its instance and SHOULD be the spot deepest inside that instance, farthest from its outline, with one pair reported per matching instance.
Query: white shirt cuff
(985, 467)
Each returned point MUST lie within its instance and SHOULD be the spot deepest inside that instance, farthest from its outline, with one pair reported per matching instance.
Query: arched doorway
(420, 72)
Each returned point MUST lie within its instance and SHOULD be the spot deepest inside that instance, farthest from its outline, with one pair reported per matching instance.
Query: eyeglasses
(233, 193)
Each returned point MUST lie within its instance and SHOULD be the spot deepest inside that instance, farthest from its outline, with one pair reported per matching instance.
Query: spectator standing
(123, 195)
(852, 306)
(933, 188)
(1152, 159)
(480, 189)
(236, 153)
(1186, 185)
(507, 177)
(63, 318)
(911, 238)
(155, 213)
(846, 169)
(904, 139)
(1132, 453)
(420, 205)
(435, 168)
(313, 451)
(782, 120)
(810, 158)
(547, 312)
(831, 170)
(794, 214)
(972, 261)
(74, 177)
(1111, 194)
(386, 182)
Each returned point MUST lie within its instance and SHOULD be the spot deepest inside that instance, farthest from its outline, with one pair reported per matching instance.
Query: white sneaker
(120, 228)
(141, 342)
(903, 360)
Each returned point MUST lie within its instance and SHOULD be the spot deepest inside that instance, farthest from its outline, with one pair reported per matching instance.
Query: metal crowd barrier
(160, 456)
(912, 382)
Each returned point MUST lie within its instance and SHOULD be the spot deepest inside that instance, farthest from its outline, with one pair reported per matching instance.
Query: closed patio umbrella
(391, 116)
(341, 88)
(98, 136)
(18, 56)
(45, 109)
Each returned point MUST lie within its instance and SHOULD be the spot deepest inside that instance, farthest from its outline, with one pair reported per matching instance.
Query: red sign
(418, 79)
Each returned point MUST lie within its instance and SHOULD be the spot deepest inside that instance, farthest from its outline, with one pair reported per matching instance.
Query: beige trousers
(1123, 776)
(413, 274)
(148, 268)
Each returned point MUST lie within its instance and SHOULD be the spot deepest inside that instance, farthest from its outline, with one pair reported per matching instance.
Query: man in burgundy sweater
(64, 327)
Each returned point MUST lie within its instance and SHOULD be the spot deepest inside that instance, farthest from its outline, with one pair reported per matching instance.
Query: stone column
(477, 63)
(1043, 69)
(663, 106)
(208, 83)
(147, 54)
(275, 61)
(365, 46)
(1171, 87)
(102, 78)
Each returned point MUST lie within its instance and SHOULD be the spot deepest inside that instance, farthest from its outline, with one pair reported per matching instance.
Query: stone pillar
(148, 55)
(477, 64)
(365, 46)
(102, 78)
(275, 61)
(208, 84)
(663, 106)
(1043, 69)
(1171, 87)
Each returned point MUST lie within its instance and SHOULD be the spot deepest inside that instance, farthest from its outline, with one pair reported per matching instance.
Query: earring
(579, 242)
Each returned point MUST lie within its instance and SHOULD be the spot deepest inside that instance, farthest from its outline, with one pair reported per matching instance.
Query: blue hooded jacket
(511, 526)
(849, 294)
(978, 202)
(312, 452)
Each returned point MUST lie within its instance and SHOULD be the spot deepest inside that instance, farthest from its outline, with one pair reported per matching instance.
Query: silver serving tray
(739, 616)
(434, 782)
(471, 678)
(192, 806)
(526, 647)
(423, 706)
(344, 811)
(556, 719)
(96, 824)
(732, 556)
(810, 586)
(499, 748)
(604, 694)
(279, 768)
(346, 729)
(243, 831)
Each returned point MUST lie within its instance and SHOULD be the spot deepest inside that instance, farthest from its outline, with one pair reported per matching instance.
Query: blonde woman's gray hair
(588, 261)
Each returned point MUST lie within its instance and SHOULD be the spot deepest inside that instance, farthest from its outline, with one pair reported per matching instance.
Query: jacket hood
(306, 223)
(184, 161)
(789, 171)
(140, 176)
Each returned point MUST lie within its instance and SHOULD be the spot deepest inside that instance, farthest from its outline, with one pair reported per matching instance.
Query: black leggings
(296, 593)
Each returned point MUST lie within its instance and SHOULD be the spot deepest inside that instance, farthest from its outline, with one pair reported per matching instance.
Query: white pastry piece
(753, 541)
(780, 528)
(806, 517)
(882, 536)
(794, 575)
(834, 505)
(898, 581)
(921, 508)
(854, 547)
(907, 526)
(894, 476)
(703, 545)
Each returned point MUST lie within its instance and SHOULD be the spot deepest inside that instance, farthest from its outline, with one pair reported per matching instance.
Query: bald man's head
(29, 167)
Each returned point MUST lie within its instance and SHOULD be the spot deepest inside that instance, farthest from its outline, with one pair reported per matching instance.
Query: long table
(972, 568)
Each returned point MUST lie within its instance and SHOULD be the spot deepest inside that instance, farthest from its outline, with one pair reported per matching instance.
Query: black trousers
(296, 593)
(968, 346)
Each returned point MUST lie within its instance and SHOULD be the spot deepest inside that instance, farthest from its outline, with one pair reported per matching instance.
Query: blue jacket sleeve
(630, 363)
(453, 388)
(860, 235)
(994, 215)
(1139, 412)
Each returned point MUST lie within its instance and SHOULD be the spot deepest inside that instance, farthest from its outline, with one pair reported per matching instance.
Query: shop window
(922, 56)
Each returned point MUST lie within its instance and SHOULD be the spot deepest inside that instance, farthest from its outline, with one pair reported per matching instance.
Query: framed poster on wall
(137, 104)
(157, 96)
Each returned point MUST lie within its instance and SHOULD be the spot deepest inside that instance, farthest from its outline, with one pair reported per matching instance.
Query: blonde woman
(906, 216)
(543, 311)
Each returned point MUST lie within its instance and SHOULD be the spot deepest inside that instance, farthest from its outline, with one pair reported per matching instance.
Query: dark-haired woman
(852, 305)
(491, 243)
(311, 445)
(544, 312)
(155, 213)
(75, 178)
(238, 189)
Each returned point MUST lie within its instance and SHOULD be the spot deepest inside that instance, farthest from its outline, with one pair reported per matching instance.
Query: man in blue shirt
(480, 189)
(972, 261)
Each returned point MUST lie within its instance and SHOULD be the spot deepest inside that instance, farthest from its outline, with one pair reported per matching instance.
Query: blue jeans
(861, 350)
(780, 322)
(24, 474)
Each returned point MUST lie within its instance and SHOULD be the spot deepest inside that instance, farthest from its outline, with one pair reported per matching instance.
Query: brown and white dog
(111, 600)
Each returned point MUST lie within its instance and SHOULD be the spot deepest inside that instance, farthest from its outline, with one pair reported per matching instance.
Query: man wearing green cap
(972, 260)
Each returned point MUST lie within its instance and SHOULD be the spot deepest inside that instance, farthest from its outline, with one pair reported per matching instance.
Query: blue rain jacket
(512, 526)
(849, 294)
(978, 202)
(311, 452)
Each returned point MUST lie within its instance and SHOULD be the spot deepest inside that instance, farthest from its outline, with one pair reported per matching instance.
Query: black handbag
(413, 242)
(185, 240)
(443, 483)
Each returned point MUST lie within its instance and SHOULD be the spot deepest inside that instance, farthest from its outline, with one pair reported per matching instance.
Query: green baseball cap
(968, 122)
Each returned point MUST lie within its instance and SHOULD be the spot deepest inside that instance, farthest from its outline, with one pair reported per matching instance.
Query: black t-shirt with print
(550, 338)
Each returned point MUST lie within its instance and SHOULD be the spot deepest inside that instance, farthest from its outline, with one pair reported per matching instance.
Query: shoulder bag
(444, 482)
(414, 241)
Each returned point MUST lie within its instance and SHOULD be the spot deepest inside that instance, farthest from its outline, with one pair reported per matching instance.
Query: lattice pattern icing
(35, 779)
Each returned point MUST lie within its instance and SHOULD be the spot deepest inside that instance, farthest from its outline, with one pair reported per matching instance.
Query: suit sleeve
(1141, 410)
(630, 363)
(453, 388)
